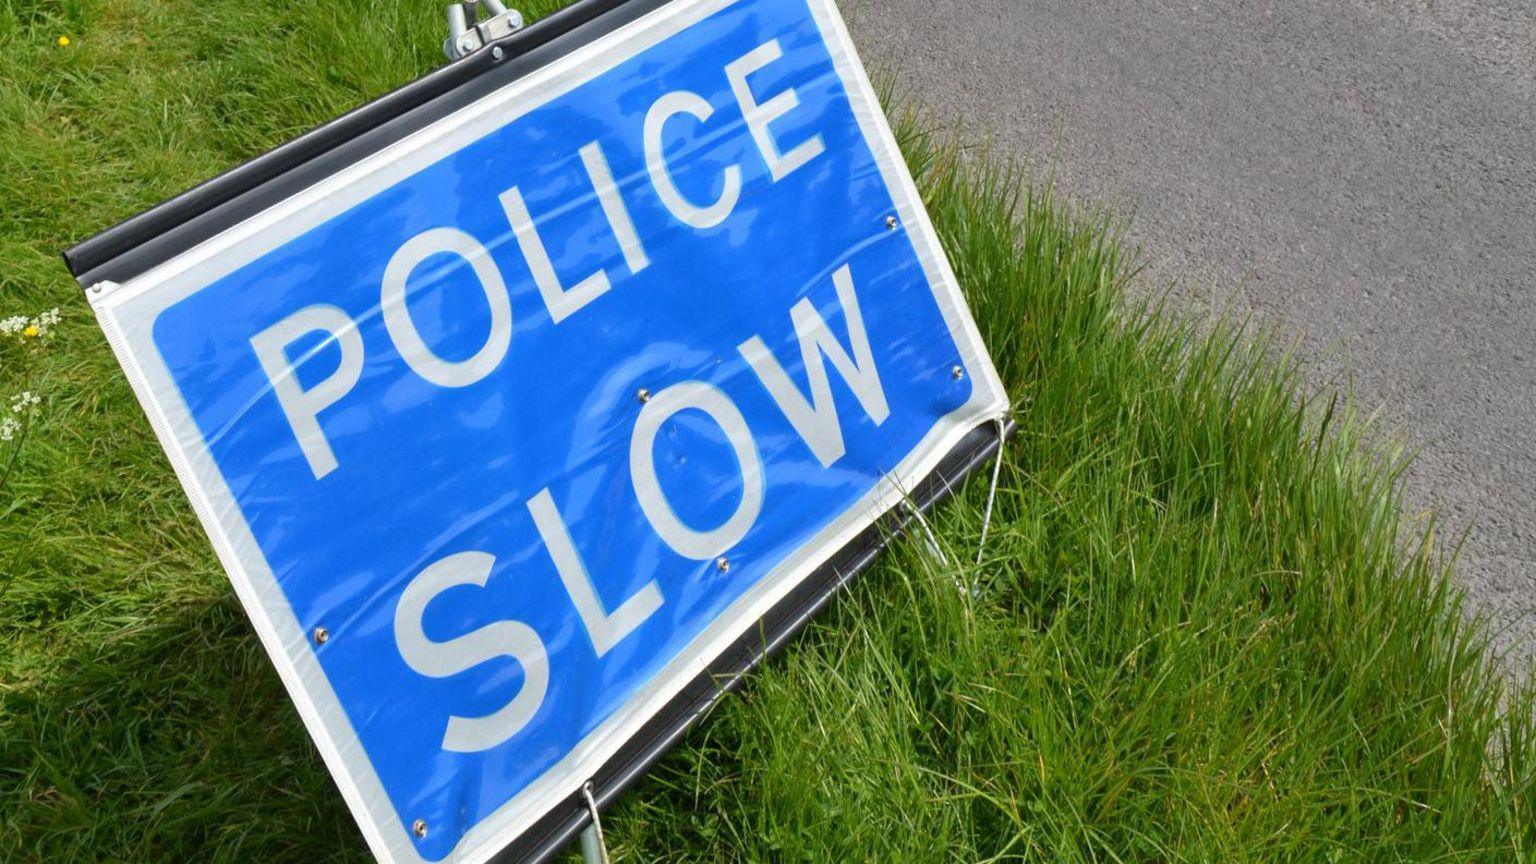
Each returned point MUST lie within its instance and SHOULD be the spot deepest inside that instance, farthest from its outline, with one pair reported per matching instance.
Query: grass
(1203, 630)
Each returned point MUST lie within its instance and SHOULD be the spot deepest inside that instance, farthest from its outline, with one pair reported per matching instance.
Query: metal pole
(593, 849)
(457, 22)
(458, 25)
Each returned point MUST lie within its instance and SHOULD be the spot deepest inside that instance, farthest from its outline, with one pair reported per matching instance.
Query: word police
(813, 416)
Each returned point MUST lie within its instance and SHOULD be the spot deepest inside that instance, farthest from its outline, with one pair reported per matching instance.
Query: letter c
(664, 109)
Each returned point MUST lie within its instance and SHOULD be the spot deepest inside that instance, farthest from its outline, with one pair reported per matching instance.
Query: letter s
(441, 659)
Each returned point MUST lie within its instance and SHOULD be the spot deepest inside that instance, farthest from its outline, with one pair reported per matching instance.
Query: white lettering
(560, 301)
(816, 419)
(708, 216)
(441, 659)
(605, 629)
(685, 541)
(758, 116)
(614, 209)
(402, 328)
(302, 407)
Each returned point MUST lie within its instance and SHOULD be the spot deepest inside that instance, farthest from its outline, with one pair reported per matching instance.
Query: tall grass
(1203, 630)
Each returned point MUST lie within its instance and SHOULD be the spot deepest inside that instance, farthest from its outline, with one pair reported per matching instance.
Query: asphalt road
(1361, 173)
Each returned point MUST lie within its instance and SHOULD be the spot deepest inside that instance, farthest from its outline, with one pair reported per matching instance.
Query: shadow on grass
(175, 742)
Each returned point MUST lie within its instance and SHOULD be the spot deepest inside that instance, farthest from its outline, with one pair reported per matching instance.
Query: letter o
(685, 541)
(402, 329)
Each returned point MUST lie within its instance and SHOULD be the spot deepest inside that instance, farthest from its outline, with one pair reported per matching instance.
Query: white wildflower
(13, 325)
(24, 400)
(8, 428)
(45, 322)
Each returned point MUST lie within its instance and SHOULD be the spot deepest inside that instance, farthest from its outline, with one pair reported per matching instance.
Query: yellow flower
(63, 41)
(31, 332)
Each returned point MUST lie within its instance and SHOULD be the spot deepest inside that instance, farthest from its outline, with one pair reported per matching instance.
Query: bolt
(957, 373)
(723, 563)
(419, 828)
(322, 635)
(891, 222)
(497, 53)
(467, 44)
(96, 289)
(644, 395)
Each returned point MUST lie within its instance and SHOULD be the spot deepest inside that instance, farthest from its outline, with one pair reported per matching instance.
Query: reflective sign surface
(505, 432)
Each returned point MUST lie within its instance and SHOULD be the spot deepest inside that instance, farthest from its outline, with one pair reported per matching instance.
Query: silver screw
(96, 289)
(322, 635)
(957, 373)
(497, 53)
(467, 44)
(891, 222)
(723, 563)
(419, 827)
(644, 395)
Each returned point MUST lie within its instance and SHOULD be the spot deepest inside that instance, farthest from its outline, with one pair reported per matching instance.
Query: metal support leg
(593, 849)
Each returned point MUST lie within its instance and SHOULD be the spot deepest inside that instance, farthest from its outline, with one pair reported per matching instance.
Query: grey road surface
(1362, 173)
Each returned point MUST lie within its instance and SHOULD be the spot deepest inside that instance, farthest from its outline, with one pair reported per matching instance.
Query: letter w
(816, 419)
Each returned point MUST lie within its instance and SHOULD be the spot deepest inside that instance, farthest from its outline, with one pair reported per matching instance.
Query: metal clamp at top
(468, 34)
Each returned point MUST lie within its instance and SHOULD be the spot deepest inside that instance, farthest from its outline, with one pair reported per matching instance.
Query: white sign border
(127, 312)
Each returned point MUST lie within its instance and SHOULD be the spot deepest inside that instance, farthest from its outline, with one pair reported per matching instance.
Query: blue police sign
(505, 431)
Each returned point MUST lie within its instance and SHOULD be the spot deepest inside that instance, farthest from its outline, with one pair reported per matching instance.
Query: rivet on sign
(891, 223)
(419, 827)
(723, 563)
(96, 289)
(497, 53)
(321, 635)
(957, 373)
(644, 395)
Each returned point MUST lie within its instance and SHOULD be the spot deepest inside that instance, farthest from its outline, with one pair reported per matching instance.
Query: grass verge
(1202, 630)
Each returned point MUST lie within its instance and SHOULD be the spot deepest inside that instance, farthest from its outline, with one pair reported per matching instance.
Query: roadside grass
(1202, 629)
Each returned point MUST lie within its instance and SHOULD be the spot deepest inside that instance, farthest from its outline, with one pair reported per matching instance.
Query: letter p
(302, 407)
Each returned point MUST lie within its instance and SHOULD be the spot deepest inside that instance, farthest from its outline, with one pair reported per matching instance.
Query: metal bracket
(468, 34)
